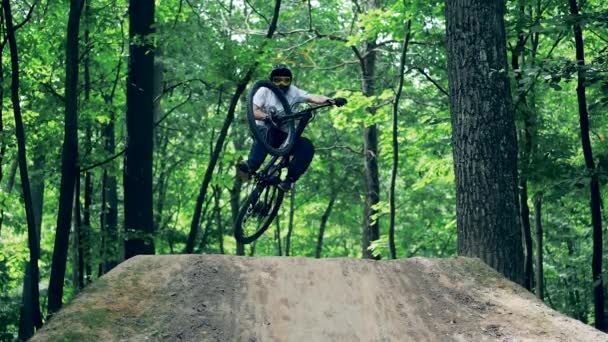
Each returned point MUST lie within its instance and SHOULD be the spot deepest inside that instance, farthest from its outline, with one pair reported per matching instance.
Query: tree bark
(371, 225)
(32, 238)
(277, 235)
(484, 136)
(88, 177)
(79, 238)
(540, 274)
(26, 317)
(109, 202)
(391, 227)
(594, 184)
(292, 204)
(137, 176)
(69, 168)
(324, 220)
(110, 252)
(218, 218)
(525, 156)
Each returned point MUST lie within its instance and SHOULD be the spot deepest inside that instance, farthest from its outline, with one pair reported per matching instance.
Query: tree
(371, 225)
(395, 167)
(32, 294)
(69, 158)
(484, 139)
(137, 174)
(594, 182)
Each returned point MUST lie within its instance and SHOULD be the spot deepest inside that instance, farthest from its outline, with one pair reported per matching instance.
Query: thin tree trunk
(137, 173)
(88, 178)
(2, 137)
(391, 230)
(596, 211)
(484, 136)
(525, 156)
(292, 203)
(32, 238)
(371, 226)
(79, 236)
(26, 316)
(235, 195)
(220, 142)
(213, 161)
(69, 158)
(540, 280)
(161, 182)
(109, 215)
(324, 220)
(218, 218)
(277, 235)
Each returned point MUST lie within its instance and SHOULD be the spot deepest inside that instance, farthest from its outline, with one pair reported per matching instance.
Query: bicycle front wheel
(257, 212)
(276, 148)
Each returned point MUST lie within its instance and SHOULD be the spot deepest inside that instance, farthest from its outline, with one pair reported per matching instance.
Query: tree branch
(430, 79)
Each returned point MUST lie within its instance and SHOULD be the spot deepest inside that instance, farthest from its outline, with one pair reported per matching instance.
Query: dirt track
(228, 298)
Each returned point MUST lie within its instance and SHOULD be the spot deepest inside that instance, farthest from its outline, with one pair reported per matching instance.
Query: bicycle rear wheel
(281, 148)
(257, 212)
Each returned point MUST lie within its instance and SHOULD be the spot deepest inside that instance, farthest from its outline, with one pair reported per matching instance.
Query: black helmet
(280, 70)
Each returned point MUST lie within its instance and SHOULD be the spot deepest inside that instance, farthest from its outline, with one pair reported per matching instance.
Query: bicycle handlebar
(305, 111)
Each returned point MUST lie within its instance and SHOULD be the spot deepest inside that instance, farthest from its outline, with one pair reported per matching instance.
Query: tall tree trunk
(110, 252)
(78, 238)
(540, 274)
(2, 136)
(137, 181)
(240, 88)
(213, 161)
(68, 161)
(26, 317)
(109, 203)
(32, 236)
(292, 204)
(324, 219)
(88, 178)
(391, 227)
(525, 155)
(596, 211)
(484, 138)
(371, 226)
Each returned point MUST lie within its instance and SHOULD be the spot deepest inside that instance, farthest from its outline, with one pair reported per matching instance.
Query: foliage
(205, 49)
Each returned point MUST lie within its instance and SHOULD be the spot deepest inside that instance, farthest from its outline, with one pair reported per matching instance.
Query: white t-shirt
(266, 99)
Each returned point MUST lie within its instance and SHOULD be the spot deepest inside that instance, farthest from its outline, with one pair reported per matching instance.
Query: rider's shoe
(243, 171)
(286, 185)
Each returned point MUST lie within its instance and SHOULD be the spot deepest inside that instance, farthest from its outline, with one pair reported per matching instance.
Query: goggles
(281, 80)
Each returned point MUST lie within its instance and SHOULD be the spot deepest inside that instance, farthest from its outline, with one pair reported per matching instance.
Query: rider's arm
(317, 99)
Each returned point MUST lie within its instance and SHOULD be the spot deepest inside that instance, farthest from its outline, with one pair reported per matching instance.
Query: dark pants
(302, 153)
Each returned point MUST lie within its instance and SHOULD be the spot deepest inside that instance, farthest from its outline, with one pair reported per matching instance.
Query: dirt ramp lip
(230, 298)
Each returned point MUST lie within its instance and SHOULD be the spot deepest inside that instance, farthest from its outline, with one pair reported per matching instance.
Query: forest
(472, 128)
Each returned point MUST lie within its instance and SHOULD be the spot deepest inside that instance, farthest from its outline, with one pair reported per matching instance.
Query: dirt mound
(228, 298)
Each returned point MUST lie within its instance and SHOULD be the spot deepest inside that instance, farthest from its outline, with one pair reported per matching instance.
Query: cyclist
(266, 104)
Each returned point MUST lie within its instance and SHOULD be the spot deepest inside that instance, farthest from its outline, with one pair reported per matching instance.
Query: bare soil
(229, 298)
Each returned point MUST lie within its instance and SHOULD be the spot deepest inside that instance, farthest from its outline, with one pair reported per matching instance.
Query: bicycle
(262, 204)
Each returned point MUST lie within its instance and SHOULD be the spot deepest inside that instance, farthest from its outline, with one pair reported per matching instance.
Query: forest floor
(229, 298)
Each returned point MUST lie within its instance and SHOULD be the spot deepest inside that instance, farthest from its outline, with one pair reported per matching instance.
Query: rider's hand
(339, 101)
(271, 118)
